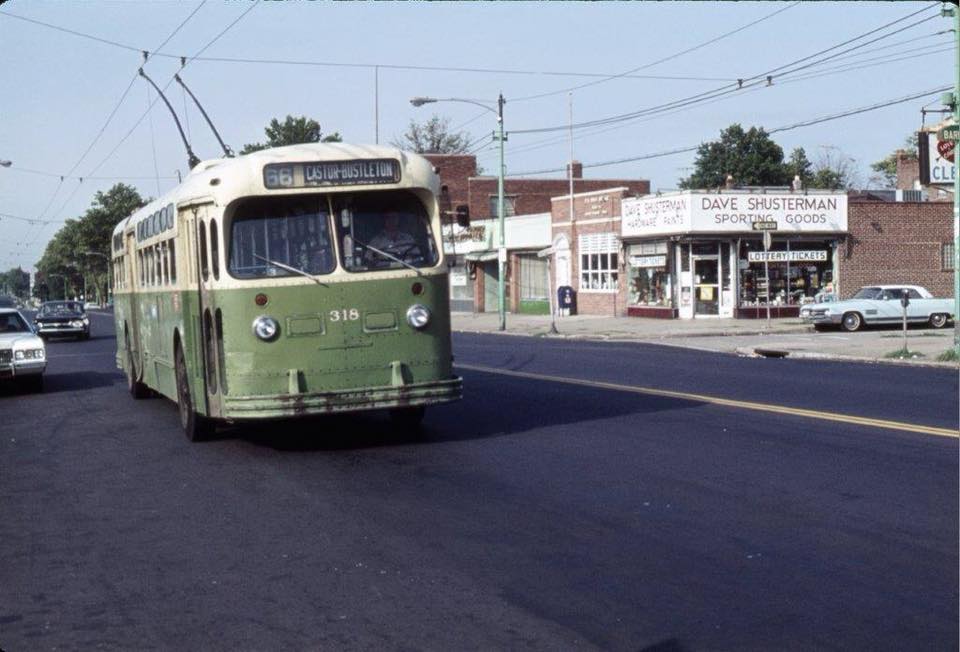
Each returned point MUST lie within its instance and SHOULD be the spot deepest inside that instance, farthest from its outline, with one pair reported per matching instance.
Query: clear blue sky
(57, 89)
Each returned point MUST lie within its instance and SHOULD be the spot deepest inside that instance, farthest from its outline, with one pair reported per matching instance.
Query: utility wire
(658, 61)
(390, 66)
(829, 71)
(797, 125)
(765, 77)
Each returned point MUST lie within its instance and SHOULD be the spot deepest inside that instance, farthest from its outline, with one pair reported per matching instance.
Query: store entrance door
(706, 285)
(491, 286)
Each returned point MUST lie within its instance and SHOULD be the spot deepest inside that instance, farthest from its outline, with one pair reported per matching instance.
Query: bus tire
(137, 389)
(407, 418)
(195, 426)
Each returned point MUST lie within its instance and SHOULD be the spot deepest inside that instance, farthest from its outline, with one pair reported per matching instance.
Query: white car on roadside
(23, 354)
(880, 304)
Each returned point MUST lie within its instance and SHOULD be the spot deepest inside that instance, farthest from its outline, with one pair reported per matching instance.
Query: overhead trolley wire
(658, 61)
(746, 82)
(796, 125)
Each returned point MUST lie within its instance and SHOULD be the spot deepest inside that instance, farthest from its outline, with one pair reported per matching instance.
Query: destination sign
(331, 173)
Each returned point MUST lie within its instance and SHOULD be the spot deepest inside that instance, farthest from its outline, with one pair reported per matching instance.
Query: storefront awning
(481, 256)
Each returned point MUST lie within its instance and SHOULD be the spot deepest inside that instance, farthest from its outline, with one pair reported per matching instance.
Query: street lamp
(502, 250)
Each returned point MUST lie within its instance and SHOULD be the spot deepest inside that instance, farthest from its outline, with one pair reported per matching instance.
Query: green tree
(433, 137)
(886, 168)
(15, 282)
(751, 157)
(292, 131)
(800, 166)
(81, 248)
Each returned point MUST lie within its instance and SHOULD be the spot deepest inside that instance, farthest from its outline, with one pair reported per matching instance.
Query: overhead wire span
(797, 125)
(746, 82)
(658, 61)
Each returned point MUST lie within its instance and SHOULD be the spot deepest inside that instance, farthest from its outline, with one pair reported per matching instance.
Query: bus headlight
(418, 316)
(266, 328)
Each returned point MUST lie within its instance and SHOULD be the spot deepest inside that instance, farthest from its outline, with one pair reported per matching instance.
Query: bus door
(209, 324)
(131, 320)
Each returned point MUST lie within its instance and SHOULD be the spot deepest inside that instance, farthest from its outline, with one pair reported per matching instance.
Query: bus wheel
(407, 418)
(137, 389)
(196, 427)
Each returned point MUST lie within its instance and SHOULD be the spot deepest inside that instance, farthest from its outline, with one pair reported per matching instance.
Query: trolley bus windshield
(271, 235)
(385, 230)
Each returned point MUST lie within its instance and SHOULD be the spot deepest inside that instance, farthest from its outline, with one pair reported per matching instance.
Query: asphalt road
(542, 512)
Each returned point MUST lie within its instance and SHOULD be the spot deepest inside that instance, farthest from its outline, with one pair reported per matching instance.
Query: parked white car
(23, 355)
(880, 304)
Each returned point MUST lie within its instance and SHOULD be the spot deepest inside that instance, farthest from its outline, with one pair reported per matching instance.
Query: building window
(649, 280)
(599, 262)
(799, 270)
(509, 206)
(534, 280)
(948, 256)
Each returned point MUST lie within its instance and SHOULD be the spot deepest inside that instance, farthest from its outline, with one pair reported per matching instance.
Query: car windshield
(382, 231)
(867, 293)
(12, 322)
(269, 234)
(60, 309)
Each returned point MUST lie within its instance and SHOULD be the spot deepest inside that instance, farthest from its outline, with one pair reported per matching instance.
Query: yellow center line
(715, 400)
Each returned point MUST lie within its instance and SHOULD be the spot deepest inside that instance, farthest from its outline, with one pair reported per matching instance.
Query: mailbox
(566, 300)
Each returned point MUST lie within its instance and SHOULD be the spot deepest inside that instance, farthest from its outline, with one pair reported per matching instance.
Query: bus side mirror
(463, 215)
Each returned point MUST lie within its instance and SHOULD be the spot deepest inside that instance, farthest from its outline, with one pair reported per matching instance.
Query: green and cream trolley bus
(294, 281)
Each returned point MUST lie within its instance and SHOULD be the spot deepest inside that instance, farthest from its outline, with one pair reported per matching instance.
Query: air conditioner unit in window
(911, 195)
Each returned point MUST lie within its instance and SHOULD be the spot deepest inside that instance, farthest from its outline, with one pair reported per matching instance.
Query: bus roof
(225, 179)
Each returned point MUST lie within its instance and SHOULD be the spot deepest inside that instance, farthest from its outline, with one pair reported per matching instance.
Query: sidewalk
(783, 338)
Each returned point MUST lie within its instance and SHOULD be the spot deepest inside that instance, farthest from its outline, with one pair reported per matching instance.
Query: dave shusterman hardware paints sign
(733, 212)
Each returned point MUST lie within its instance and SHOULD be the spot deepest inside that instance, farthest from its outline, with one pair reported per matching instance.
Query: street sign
(765, 226)
(950, 132)
(945, 149)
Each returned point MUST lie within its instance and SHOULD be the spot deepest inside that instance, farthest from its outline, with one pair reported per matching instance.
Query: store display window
(648, 268)
(798, 271)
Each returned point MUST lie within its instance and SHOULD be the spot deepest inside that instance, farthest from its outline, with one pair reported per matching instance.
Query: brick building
(472, 280)
(898, 242)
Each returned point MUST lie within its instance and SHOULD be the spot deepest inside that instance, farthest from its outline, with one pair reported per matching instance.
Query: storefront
(699, 254)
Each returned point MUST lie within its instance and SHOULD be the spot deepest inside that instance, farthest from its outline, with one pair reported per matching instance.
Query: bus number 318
(351, 314)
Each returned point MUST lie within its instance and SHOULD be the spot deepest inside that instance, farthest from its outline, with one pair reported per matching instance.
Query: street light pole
(502, 251)
(501, 248)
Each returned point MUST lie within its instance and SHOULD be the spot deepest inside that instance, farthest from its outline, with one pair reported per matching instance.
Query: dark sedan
(63, 318)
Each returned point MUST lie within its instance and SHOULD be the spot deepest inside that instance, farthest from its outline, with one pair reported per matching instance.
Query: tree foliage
(751, 157)
(886, 168)
(433, 137)
(15, 282)
(292, 131)
(81, 248)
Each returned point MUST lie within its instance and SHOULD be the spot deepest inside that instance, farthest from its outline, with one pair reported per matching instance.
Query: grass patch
(948, 356)
(903, 354)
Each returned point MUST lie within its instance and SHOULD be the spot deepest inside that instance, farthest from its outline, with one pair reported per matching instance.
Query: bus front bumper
(310, 403)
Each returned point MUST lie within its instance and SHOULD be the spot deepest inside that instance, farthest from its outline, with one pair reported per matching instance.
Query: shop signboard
(787, 256)
(734, 212)
(658, 260)
(937, 161)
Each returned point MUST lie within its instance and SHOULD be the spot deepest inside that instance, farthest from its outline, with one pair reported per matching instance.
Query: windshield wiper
(290, 268)
(386, 255)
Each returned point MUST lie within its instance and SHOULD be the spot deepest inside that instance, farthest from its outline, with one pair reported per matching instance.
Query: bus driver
(394, 241)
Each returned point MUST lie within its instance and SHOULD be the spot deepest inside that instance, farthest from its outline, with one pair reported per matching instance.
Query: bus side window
(173, 261)
(215, 250)
(204, 268)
